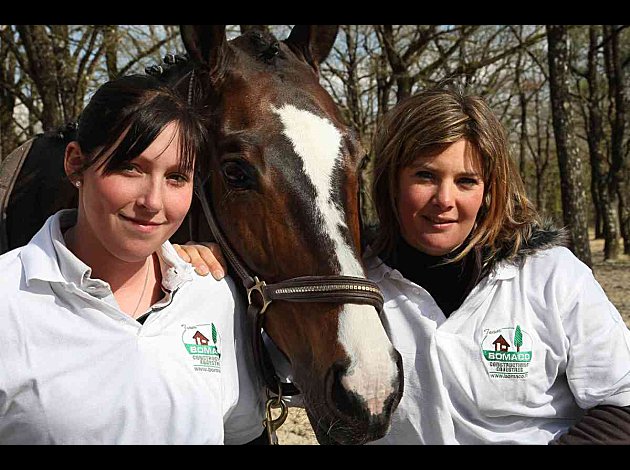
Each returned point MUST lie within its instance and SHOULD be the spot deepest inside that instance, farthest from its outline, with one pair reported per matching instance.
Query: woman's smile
(142, 225)
(440, 222)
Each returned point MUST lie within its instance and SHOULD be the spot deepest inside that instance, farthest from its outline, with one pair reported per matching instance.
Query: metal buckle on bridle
(259, 287)
(271, 424)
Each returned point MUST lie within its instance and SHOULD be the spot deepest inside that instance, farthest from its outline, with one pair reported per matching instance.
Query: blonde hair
(425, 124)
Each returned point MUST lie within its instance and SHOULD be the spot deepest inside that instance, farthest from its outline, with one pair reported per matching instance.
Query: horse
(281, 189)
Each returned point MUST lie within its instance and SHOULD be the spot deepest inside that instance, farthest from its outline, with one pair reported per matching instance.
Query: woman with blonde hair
(506, 337)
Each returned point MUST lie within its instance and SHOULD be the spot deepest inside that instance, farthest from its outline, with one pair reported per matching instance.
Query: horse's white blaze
(372, 370)
(318, 142)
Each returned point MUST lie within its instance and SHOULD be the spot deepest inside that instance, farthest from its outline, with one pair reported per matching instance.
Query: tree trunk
(65, 65)
(110, 40)
(403, 83)
(394, 57)
(42, 68)
(604, 200)
(540, 156)
(597, 205)
(352, 83)
(569, 161)
(383, 87)
(401, 59)
(624, 211)
(616, 91)
(523, 135)
(8, 136)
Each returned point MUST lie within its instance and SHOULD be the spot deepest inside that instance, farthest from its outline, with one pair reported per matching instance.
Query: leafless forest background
(561, 92)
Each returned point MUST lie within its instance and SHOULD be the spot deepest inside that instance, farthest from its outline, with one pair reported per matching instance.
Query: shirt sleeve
(598, 365)
(603, 425)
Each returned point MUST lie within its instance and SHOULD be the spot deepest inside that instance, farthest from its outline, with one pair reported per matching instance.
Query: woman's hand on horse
(205, 257)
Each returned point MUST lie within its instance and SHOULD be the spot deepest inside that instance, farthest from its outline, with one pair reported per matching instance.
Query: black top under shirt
(449, 284)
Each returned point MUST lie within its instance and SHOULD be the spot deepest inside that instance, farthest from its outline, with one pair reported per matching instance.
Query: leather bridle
(332, 289)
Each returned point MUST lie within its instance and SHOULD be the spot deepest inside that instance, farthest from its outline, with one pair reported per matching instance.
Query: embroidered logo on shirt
(203, 343)
(507, 352)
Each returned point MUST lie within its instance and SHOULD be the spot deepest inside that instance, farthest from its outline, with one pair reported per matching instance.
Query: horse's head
(284, 189)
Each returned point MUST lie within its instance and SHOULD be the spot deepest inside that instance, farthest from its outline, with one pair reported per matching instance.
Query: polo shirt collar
(39, 256)
(504, 271)
(175, 271)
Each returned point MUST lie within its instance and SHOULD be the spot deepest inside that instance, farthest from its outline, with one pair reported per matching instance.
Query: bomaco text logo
(203, 343)
(507, 352)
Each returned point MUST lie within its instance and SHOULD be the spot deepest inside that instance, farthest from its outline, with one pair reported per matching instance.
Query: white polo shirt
(528, 350)
(75, 369)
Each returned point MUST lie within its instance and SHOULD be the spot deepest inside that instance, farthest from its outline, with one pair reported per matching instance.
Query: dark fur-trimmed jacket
(541, 238)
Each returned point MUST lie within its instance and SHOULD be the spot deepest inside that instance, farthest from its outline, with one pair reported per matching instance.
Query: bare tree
(603, 199)
(415, 52)
(540, 151)
(400, 59)
(58, 61)
(111, 39)
(522, 100)
(138, 44)
(570, 164)
(49, 71)
(617, 116)
(9, 84)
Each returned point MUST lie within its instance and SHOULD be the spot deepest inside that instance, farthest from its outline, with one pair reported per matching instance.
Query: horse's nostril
(346, 401)
(360, 404)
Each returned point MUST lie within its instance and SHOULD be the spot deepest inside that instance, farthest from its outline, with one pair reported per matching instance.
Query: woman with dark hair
(106, 335)
(506, 337)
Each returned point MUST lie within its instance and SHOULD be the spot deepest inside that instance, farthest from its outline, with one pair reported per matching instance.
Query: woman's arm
(604, 424)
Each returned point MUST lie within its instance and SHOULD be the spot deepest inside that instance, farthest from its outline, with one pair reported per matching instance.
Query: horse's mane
(172, 68)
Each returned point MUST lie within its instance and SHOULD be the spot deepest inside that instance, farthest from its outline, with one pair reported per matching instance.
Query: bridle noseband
(330, 289)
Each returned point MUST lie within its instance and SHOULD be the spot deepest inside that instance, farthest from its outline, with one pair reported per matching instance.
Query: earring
(77, 184)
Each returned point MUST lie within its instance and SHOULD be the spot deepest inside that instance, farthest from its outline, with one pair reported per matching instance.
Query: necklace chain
(144, 288)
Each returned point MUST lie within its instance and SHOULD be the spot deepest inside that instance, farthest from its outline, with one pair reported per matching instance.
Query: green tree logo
(214, 334)
(518, 338)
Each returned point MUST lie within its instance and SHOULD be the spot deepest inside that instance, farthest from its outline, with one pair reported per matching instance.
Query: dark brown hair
(137, 107)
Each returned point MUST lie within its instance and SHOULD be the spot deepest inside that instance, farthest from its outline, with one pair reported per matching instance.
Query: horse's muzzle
(359, 418)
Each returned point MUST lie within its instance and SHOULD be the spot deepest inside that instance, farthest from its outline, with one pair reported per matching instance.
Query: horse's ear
(206, 44)
(313, 42)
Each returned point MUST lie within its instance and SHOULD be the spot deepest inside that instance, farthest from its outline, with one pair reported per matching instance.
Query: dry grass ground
(614, 278)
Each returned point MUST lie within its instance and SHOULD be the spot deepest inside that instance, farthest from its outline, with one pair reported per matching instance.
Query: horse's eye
(237, 174)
